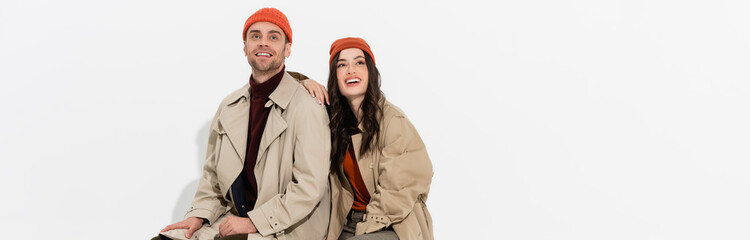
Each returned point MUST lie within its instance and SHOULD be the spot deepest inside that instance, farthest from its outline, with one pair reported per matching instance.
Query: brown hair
(344, 123)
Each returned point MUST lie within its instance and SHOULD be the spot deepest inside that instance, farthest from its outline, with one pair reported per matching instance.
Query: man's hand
(192, 224)
(316, 90)
(236, 225)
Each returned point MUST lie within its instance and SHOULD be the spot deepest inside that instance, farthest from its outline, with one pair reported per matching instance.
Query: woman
(380, 171)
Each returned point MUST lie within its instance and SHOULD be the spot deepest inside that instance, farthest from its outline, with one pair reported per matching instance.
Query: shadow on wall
(186, 197)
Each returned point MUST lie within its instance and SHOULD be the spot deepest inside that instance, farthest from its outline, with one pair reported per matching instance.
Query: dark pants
(351, 224)
(230, 237)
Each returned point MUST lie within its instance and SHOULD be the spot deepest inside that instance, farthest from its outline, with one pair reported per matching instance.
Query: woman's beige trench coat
(397, 177)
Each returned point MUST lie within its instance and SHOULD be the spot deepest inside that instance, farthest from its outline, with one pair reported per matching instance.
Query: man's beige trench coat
(292, 165)
(397, 177)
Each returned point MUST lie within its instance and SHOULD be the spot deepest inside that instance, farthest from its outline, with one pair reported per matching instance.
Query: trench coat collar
(357, 138)
(235, 116)
(281, 96)
(284, 92)
(234, 119)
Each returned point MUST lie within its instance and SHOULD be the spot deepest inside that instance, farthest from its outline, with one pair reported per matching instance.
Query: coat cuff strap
(210, 216)
(265, 223)
(372, 224)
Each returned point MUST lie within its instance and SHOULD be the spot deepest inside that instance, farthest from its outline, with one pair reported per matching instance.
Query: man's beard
(274, 65)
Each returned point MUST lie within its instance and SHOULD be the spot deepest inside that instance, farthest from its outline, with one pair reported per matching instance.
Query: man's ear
(244, 47)
(288, 50)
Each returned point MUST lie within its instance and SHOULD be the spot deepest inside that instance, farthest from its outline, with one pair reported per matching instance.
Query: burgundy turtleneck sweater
(259, 93)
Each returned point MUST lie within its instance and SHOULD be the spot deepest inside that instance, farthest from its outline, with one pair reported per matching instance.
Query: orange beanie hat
(350, 42)
(271, 15)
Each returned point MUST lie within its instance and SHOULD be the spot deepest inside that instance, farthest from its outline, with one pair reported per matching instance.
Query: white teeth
(263, 54)
(352, 81)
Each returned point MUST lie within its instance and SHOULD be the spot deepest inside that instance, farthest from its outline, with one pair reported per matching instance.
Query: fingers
(225, 231)
(325, 93)
(317, 91)
(224, 226)
(191, 224)
(320, 97)
(191, 230)
(312, 92)
(179, 225)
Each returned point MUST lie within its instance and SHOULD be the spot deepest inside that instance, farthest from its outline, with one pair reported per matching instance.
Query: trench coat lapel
(275, 125)
(365, 165)
(234, 119)
(278, 101)
(357, 143)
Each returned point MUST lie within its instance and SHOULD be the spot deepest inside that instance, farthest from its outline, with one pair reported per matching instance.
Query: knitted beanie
(271, 15)
(350, 42)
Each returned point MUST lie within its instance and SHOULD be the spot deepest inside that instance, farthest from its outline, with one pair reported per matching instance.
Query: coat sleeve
(309, 174)
(208, 202)
(405, 173)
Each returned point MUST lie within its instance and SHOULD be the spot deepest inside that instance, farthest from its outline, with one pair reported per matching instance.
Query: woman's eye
(361, 63)
(341, 65)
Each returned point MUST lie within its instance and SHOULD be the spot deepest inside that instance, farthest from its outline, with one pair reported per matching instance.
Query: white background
(544, 119)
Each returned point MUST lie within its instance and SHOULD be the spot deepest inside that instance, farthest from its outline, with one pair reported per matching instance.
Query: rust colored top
(351, 169)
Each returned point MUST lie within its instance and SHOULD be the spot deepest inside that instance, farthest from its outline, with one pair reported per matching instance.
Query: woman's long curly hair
(344, 123)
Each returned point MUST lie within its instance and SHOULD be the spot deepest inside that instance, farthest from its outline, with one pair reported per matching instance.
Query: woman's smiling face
(351, 72)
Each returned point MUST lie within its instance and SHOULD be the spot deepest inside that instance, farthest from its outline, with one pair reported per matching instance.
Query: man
(267, 160)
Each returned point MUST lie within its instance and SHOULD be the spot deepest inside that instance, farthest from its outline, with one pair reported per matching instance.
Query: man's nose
(263, 42)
